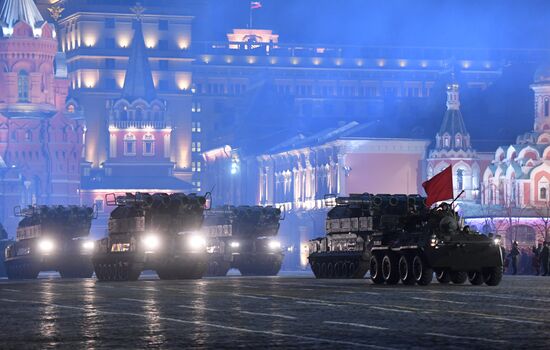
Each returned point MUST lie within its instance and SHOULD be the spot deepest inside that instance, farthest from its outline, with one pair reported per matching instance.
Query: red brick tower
(40, 142)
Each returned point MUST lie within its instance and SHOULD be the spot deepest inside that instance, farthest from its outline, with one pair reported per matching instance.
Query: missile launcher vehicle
(4, 242)
(398, 238)
(51, 238)
(243, 238)
(153, 232)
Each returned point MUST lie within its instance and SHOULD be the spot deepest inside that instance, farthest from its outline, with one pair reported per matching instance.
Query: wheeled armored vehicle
(157, 232)
(398, 238)
(4, 242)
(51, 238)
(243, 237)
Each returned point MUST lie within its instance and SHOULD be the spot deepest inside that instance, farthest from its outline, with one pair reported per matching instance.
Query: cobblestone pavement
(290, 311)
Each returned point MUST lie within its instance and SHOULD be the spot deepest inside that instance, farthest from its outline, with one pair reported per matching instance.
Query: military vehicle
(398, 238)
(153, 232)
(4, 242)
(243, 238)
(51, 238)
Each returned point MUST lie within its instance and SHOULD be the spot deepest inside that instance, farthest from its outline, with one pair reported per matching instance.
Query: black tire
(316, 268)
(458, 277)
(323, 270)
(18, 270)
(346, 272)
(330, 270)
(492, 275)
(338, 270)
(405, 270)
(423, 273)
(475, 278)
(443, 276)
(390, 269)
(218, 268)
(376, 269)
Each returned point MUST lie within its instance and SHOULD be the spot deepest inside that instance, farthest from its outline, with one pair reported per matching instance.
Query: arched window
(458, 141)
(546, 107)
(23, 86)
(446, 141)
(129, 145)
(28, 136)
(70, 108)
(460, 179)
(542, 194)
(148, 145)
(139, 114)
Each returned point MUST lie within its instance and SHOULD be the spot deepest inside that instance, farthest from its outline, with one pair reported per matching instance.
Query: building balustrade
(139, 124)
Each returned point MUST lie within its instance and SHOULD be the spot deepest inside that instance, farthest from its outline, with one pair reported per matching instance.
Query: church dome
(542, 74)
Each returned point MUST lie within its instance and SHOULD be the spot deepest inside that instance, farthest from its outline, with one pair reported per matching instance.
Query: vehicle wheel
(330, 270)
(218, 268)
(405, 270)
(323, 270)
(443, 276)
(315, 267)
(376, 269)
(458, 277)
(423, 273)
(390, 269)
(346, 270)
(475, 278)
(338, 270)
(492, 275)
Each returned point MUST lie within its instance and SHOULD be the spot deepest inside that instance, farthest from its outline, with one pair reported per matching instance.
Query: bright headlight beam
(151, 241)
(45, 245)
(197, 242)
(234, 244)
(88, 245)
(274, 245)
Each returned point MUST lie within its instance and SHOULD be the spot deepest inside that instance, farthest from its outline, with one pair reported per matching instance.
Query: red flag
(439, 187)
(255, 5)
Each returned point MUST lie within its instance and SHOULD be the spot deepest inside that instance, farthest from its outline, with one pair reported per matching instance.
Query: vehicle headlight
(497, 241)
(150, 242)
(46, 246)
(274, 245)
(234, 244)
(433, 241)
(88, 245)
(197, 242)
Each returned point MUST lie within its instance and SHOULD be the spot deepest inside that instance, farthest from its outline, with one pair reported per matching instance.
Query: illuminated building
(40, 139)
(453, 148)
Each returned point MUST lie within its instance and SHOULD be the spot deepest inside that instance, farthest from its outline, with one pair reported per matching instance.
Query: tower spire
(138, 82)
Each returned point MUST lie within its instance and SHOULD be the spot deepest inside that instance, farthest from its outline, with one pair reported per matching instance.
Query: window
(129, 145)
(446, 141)
(196, 167)
(460, 179)
(163, 25)
(196, 127)
(543, 193)
(546, 107)
(23, 86)
(28, 136)
(71, 108)
(458, 141)
(196, 107)
(148, 145)
(109, 23)
(14, 135)
(195, 146)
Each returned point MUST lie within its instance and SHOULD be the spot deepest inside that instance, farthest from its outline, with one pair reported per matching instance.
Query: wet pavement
(289, 311)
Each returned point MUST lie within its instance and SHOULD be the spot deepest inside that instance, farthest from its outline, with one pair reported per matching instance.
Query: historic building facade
(40, 140)
(453, 148)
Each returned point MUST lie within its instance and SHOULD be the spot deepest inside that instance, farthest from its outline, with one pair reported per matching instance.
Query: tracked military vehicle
(243, 238)
(398, 238)
(51, 238)
(4, 242)
(153, 232)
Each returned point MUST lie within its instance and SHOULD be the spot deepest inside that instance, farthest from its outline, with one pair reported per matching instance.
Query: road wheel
(458, 277)
(405, 270)
(376, 269)
(475, 278)
(315, 267)
(422, 272)
(330, 270)
(338, 270)
(323, 270)
(443, 276)
(390, 269)
(345, 270)
(492, 275)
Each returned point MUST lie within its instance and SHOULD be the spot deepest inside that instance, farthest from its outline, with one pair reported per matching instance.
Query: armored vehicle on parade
(397, 237)
(4, 242)
(51, 238)
(243, 238)
(153, 232)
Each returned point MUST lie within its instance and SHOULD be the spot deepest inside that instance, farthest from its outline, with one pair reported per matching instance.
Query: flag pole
(454, 200)
(250, 17)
